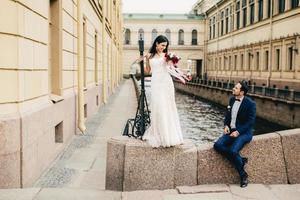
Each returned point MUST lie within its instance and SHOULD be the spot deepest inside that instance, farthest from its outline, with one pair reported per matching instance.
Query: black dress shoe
(245, 160)
(244, 181)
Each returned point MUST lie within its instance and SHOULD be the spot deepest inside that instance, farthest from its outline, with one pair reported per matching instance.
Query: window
(227, 21)
(229, 64)
(294, 3)
(266, 60)
(210, 29)
(251, 11)
(216, 63)
(194, 37)
(55, 41)
(290, 57)
(141, 34)
(168, 34)
(214, 27)
(238, 15)
(244, 7)
(180, 37)
(154, 34)
(242, 61)
(260, 9)
(59, 133)
(127, 36)
(235, 61)
(277, 64)
(257, 60)
(237, 20)
(249, 60)
(269, 8)
(222, 23)
(281, 6)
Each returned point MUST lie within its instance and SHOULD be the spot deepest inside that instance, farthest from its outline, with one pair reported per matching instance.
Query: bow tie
(237, 99)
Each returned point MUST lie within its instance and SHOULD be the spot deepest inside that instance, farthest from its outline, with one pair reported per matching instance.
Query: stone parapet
(134, 165)
(291, 150)
(262, 168)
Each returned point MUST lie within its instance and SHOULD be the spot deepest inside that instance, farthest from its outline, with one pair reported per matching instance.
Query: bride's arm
(147, 68)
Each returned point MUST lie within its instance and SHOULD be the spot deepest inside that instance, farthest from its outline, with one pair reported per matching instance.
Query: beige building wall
(173, 22)
(39, 70)
(263, 50)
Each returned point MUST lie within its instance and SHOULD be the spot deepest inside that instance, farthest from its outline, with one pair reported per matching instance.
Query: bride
(165, 130)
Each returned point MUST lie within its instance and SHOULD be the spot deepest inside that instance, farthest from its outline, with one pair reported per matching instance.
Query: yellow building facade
(256, 40)
(60, 60)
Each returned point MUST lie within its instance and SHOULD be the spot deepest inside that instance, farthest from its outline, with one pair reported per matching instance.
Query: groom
(239, 119)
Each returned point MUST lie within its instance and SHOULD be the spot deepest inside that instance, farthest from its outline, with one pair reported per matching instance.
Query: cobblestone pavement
(79, 172)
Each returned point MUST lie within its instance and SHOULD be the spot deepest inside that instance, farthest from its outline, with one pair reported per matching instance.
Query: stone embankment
(283, 111)
(132, 164)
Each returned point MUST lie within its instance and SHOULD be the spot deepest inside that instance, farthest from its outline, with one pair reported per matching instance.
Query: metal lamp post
(139, 124)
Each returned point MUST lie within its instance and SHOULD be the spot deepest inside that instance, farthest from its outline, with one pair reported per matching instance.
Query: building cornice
(157, 16)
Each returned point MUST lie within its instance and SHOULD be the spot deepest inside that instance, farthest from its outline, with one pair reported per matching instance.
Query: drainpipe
(80, 104)
(218, 38)
(104, 85)
(271, 49)
(231, 36)
(204, 68)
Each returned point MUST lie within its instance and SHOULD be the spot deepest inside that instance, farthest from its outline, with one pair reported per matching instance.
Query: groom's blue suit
(230, 146)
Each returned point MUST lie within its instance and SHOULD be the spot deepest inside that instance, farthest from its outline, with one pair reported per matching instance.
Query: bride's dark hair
(159, 39)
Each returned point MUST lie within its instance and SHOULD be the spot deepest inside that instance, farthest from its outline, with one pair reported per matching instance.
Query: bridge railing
(285, 94)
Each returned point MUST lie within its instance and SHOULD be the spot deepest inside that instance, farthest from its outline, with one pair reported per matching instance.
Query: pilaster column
(248, 12)
(275, 7)
(233, 16)
(288, 5)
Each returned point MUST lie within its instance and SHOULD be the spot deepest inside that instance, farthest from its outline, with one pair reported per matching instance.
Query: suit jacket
(246, 115)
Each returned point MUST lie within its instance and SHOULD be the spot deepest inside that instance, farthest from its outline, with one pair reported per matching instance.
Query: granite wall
(132, 164)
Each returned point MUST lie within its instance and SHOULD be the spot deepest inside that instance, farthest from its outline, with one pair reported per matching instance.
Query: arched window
(168, 34)
(141, 34)
(180, 37)
(127, 36)
(154, 34)
(194, 37)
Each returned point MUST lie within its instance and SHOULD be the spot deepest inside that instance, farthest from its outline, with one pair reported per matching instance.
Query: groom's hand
(234, 134)
(226, 130)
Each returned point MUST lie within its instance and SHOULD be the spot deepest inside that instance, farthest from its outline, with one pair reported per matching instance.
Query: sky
(157, 6)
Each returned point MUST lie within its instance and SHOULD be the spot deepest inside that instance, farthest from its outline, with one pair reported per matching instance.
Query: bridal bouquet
(172, 57)
(174, 70)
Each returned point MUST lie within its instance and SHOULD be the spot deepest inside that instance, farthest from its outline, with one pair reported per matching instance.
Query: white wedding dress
(165, 130)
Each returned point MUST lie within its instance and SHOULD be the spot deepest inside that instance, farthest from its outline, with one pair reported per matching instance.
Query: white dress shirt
(234, 112)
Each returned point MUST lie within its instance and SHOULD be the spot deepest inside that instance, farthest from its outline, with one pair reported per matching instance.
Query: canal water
(202, 121)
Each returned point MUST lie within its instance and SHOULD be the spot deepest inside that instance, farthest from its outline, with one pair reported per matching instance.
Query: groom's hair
(244, 86)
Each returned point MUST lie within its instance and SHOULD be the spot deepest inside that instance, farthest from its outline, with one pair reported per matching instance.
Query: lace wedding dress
(165, 130)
